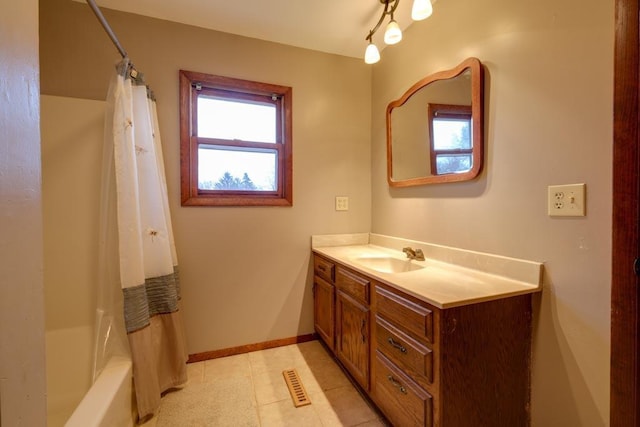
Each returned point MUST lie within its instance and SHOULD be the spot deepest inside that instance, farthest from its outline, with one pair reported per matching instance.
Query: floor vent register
(296, 389)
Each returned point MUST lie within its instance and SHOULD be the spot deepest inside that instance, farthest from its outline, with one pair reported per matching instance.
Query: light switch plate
(566, 200)
(342, 203)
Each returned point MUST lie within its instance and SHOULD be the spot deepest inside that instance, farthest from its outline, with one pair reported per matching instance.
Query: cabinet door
(324, 310)
(352, 337)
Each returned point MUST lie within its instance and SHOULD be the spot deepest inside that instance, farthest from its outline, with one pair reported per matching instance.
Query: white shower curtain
(147, 257)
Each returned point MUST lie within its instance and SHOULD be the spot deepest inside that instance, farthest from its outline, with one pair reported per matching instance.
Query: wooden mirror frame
(477, 124)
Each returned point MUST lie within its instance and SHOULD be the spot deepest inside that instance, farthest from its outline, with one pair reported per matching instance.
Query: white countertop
(451, 277)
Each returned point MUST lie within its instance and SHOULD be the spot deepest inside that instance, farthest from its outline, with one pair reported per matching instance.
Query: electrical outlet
(342, 203)
(566, 200)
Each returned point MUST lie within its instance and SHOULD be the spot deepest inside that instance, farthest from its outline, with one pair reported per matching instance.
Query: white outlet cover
(566, 200)
(342, 203)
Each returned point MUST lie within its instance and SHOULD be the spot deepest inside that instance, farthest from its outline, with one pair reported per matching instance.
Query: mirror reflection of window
(450, 135)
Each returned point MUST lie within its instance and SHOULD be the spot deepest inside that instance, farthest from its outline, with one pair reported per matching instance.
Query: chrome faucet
(414, 253)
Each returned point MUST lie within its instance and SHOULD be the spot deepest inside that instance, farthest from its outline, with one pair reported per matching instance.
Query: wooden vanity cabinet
(405, 346)
(422, 365)
(352, 324)
(456, 367)
(324, 300)
(342, 316)
(402, 401)
(324, 310)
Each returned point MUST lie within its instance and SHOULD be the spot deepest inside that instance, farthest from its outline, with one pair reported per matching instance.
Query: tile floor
(249, 390)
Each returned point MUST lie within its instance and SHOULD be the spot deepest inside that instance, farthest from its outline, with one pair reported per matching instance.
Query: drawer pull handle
(397, 384)
(396, 345)
(322, 268)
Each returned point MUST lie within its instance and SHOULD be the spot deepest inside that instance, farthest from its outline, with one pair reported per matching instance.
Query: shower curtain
(148, 268)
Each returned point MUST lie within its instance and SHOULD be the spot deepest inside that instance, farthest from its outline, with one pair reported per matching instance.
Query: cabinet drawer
(323, 268)
(411, 316)
(411, 356)
(353, 284)
(401, 400)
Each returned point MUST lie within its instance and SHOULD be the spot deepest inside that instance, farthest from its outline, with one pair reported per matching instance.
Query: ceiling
(332, 26)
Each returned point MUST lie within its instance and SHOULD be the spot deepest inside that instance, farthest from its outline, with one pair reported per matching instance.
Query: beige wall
(22, 364)
(72, 132)
(548, 111)
(245, 271)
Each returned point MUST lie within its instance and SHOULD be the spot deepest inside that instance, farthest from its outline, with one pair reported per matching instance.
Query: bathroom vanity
(432, 343)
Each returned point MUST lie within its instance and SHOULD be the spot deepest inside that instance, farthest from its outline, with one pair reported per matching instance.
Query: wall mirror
(435, 130)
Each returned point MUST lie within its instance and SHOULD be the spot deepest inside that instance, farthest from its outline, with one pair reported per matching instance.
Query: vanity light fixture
(371, 55)
(421, 9)
(393, 33)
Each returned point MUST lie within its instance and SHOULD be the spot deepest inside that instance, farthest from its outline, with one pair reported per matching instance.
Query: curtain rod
(107, 28)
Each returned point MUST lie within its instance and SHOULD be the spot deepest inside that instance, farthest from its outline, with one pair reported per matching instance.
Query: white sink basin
(386, 264)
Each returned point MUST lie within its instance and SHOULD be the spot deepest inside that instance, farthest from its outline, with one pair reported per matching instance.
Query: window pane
(450, 134)
(227, 119)
(236, 169)
(453, 163)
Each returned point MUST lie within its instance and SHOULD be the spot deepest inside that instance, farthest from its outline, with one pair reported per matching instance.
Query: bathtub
(77, 305)
(109, 400)
(72, 400)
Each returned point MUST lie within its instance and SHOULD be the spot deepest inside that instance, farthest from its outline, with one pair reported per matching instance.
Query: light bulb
(393, 33)
(421, 9)
(371, 55)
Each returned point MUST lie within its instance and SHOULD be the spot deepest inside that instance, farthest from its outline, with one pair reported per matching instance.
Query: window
(235, 142)
(450, 130)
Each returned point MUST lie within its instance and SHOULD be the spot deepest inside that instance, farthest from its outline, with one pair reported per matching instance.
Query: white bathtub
(108, 403)
(72, 133)
(72, 400)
